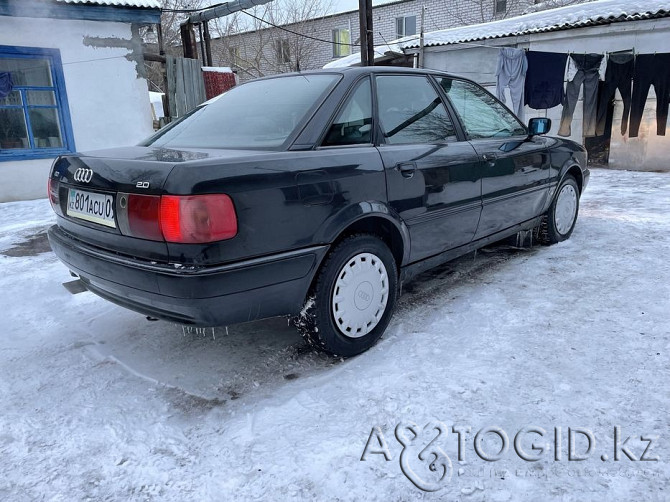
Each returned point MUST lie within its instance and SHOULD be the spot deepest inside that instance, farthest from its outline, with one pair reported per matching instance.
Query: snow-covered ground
(98, 403)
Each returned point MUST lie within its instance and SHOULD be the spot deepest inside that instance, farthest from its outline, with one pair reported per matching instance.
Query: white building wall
(478, 62)
(109, 103)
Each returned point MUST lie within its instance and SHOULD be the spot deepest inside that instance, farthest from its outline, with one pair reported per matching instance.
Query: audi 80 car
(313, 195)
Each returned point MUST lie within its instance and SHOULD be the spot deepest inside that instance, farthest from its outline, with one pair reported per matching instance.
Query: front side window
(482, 115)
(410, 111)
(33, 119)
(405, 26)
(260, 114)
(353, 124)
(341, 42)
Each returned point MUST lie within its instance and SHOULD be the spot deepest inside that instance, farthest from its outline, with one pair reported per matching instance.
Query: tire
(352, 300)
(560, 219)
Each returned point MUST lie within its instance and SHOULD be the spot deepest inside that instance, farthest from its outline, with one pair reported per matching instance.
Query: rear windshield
(259, 114)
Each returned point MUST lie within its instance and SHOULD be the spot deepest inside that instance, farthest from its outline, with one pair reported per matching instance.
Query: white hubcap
(566, 209)
(360, 295)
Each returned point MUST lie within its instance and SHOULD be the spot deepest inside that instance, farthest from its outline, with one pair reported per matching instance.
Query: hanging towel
(511, 72)
(544, 79)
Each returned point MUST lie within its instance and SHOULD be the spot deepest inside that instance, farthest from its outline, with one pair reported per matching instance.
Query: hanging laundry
(544, 79)
(6, 84)
(588, 67)
(650, 69)
(572, 69)
(511, 72)
(619, 75)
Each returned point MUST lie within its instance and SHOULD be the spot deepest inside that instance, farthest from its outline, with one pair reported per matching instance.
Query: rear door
(515, 184)
(433, 177)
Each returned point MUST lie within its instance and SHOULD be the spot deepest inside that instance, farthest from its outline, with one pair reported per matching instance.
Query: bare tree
(273, 50)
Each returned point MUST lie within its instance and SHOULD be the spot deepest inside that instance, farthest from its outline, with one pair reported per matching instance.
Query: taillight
(192, 219)
(52, 191)
(188, 219)
(144, 216)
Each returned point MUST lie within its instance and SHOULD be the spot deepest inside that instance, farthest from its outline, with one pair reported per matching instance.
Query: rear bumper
(206, 296)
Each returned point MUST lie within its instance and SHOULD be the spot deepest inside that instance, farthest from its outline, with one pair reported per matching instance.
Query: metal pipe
(225, 10)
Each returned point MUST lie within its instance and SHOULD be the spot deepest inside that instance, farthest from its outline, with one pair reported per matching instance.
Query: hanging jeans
(619, 76)
(650, 69)
(587, 74)
(511, 72)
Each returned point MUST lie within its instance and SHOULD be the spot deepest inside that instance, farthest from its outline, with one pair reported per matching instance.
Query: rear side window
(482, 115)
(353, 124)
(410, 111)
(259, 114)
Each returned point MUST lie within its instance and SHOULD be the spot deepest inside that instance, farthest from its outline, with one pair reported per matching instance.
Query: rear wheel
(559, 222)
(352, 300)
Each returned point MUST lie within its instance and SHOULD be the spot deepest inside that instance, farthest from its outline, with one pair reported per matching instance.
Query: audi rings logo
(83, 175)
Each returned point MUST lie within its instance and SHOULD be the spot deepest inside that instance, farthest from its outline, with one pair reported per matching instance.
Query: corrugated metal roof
(147, 4)
(573, 16)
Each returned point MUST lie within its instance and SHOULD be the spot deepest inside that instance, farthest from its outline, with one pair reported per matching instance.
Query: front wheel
(352, 300)
(559, 222)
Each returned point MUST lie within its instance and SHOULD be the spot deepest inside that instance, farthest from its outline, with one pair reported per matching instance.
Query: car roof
(361, 70)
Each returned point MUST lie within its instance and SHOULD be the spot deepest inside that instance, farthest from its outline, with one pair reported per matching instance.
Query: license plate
(90, 206)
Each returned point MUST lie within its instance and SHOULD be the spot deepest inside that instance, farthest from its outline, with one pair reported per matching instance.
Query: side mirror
(538, 125)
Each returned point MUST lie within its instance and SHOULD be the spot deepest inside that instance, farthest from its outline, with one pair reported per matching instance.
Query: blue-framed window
(34, 112)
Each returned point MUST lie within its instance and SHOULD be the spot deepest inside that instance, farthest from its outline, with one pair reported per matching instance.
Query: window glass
(405, 26)
(12, 99)
(32, 72)
(45, 127)
(353, 124)
(283, 51)
(410, 111)
(45, 98)
(341, 42)
(258, 114)
(31, 118)
(13, 130)
(482, 115)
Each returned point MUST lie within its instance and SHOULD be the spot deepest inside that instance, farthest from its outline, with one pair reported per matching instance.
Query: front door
(516, 170)
(433, 177)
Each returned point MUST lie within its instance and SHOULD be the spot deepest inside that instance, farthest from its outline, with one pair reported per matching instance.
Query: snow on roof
(572, 16)
(147, 4)
(353, 59)
(217, 69)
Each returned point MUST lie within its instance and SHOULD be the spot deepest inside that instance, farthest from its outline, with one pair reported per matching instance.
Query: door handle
(406, 169)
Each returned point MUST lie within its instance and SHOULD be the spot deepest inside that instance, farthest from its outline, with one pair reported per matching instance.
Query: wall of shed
(108, 98)
(477, 61)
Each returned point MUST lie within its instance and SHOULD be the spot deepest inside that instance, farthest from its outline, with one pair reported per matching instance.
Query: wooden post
(188, 41)
(208, 45)
(370, 44)
(363, 22)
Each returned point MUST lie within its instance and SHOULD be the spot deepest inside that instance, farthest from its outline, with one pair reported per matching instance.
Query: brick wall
(255, 53)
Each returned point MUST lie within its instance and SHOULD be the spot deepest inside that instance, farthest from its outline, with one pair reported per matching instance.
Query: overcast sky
(345, 5)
